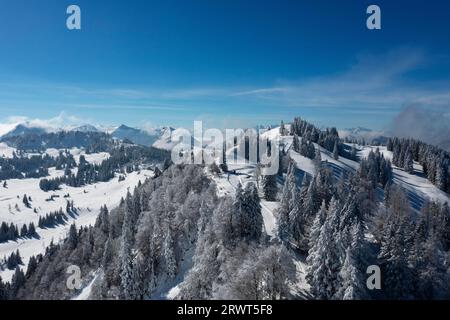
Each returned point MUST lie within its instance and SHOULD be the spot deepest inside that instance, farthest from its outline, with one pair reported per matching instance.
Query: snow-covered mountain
(165, 138)
(6, 127)
(159, 137)
(24, 129)
(210, 192)
(86, 128)
(137, 136)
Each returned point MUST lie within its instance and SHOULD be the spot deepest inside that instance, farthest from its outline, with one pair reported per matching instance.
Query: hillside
(189, 226)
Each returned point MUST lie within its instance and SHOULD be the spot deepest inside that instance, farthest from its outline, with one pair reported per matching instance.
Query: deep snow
(87, 200)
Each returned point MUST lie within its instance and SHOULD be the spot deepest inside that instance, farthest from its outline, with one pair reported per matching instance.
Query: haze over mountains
(426, 124)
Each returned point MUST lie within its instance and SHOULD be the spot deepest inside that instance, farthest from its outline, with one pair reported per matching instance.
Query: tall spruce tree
(286, 203)
(270, 187)
(252, 219)
(169, 255)
(127, 284)
(325, 263)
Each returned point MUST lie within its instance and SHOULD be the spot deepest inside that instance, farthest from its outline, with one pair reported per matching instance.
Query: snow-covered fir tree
(286, 203)
(169, 255)
(270, 187)
(126, 255)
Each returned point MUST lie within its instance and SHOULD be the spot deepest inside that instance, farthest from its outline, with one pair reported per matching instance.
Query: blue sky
(230, 63)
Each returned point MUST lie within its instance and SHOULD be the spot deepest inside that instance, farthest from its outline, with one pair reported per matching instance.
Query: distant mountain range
(161, 137)
(158, 137)
(137, 136)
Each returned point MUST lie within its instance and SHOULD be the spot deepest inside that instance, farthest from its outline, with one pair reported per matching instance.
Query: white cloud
(61, 121)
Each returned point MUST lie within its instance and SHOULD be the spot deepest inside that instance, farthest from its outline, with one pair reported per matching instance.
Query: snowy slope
(94, 158)
(87, 200)
(417, 186)
(5, 128)
(86, 291)
(303, 163)
(6, 151)
(244, 173)
(418, 189)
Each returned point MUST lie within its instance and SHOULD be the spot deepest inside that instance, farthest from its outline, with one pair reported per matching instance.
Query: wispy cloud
(374, 86)
(374, 81)
(262, 91)
(62, 120)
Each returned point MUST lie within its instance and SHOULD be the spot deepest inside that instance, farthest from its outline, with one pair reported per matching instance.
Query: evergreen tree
(127, 284)
(270, 187)
(299, 226)
(169, 255)
(296, 143)
(282, 129)
(325, 261)
(238, 212)
(312, 201)
(32, 265)
(353, 154)
(336, 151)
(223, 165)
(317, 158)
(18, 280)
(408, 166)
(352, 275)
(32, 230)
(3, 290)
(72, 239)
(318, 222)
(24, 231)
(25, 201)
(102, 221)
(252, 222)
(395, 248)
(286, 204)
(107, 253)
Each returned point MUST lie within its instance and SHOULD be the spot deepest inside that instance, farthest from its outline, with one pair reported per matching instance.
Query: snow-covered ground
(303, 163)
(419, 189)
(244, 173)
(94, 158)
(87, 200)
(6, 127)
(86, 291)
(6, 151)
(417, 186)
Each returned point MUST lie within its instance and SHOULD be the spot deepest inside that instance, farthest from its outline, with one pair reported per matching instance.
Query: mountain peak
(85, 128)
(125, 127)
